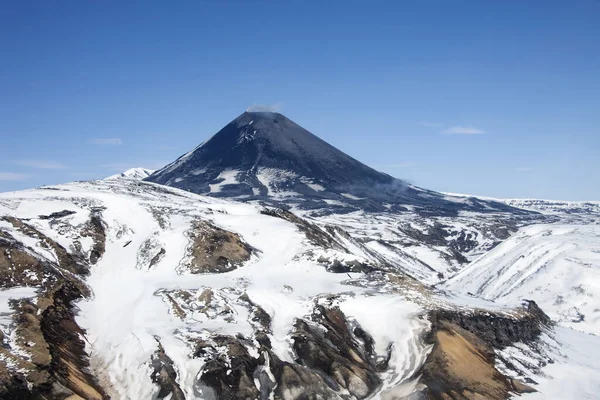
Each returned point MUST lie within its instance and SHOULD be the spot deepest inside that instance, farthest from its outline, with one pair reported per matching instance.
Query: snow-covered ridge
(544, 205)
(557, 265)
(149, 312)
(133, 173)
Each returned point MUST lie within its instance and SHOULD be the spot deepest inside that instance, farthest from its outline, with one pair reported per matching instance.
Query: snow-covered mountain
(126, 289)
(267, 157)
(288, 270)
(133, 173)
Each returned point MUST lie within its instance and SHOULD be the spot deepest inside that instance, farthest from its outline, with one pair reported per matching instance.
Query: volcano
(267, 157)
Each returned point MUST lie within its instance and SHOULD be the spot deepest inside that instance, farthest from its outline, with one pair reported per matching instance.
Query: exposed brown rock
(18, 267)
(66, 260)
(461, 365)
(176, 309)
(70, 363)
(55, 365)
(12, 386)
(29, 334)
(215, 250)
(58, 366)
(498, 330)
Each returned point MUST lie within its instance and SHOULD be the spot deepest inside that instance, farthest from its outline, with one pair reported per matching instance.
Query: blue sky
(497, 98)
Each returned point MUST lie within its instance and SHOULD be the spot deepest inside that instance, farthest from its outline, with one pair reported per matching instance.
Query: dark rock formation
(94, 228)
(335, 359)
(498, 330)
(19, 268)
(234, 379)
(333, 350)
(164, 375)
(57, 215)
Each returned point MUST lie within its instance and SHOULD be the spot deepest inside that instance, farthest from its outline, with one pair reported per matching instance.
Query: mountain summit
(266, 156)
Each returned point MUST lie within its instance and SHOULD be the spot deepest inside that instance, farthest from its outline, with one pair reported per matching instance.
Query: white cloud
(463, 130)
(431, 124)
(106, 141)
(12, 176)
(41, 164)
(264, 107)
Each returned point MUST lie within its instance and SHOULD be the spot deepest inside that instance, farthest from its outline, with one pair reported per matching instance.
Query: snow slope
(556, 265)
(131, 307)
(140, 283)
(573, 372)
(429, 248)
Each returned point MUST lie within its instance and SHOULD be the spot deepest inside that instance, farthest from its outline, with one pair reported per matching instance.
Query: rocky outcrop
(57, 215)
(164, 375)
(462, 362)
(327, 238)
(94, 229)
(52, 360)
(18, 267)
(461, 367)
(314, 233)
(335, 351)
(69, 366)
(340, 266)
(335, 359)
(498, 330)
(230, 373)
(67, 261)
(215, 250)
(44, 357)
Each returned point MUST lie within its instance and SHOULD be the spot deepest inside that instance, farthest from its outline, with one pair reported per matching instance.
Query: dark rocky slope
(265, 156)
